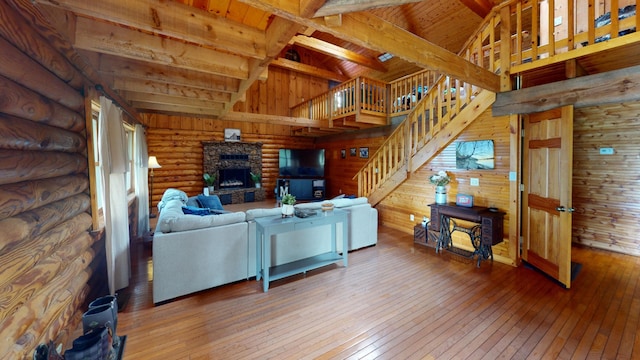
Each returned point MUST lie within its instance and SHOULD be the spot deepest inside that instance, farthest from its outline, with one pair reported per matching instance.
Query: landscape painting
(474, 155)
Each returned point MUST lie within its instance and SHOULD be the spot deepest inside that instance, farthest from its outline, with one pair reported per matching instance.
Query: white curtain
(141, 178)
(112, 152)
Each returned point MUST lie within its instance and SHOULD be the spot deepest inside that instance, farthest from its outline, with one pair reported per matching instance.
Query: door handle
(563, 209)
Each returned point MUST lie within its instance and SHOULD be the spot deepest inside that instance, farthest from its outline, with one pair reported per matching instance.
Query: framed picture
(352, 152)
(364, 152)
(475, 155)
(343, 153)
(231, 134)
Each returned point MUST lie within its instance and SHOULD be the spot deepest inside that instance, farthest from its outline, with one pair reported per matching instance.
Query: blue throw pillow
(211, 202)
(191, 210)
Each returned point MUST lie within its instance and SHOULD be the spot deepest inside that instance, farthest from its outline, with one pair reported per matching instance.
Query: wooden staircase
(439, 117)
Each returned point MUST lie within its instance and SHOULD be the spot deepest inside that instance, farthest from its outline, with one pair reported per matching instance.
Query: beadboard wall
(606, 188)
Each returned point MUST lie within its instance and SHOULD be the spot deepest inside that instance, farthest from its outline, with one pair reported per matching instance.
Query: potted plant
(257, 179)
(210, 180)
(287, 205)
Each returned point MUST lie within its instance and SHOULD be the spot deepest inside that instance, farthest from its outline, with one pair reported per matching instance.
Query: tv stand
(302, 188)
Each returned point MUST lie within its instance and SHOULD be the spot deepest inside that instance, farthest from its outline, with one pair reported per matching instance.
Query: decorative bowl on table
(326, 206)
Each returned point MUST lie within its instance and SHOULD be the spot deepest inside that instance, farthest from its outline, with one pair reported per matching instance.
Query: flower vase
(441, 194)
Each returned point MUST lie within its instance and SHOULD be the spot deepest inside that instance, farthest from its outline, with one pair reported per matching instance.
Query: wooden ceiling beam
(178, 101)
(135, 69)
(121, 83)
(175, 20)
(372, 32)
(278, 34)
(213, 110)
(337, 52)
(110, 39)
(616, 86)
(309, 70)
(480, 7)
(269, 119)
(334, 7)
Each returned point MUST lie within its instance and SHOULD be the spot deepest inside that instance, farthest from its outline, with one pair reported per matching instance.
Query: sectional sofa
(194, 252)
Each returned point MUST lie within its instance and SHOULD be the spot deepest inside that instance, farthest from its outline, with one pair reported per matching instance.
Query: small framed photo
(343, 153)
(364, 152)
(232, 135)
(352, 152)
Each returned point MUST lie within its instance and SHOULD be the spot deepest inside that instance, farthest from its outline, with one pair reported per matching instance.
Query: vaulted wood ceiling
(198, 57)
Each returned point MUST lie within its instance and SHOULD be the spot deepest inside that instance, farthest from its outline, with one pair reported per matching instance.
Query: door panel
(547, 173)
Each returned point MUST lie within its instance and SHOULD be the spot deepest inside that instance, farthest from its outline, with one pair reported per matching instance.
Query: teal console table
(267, 227)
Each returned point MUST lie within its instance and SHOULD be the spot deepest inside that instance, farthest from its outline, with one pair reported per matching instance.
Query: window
(95, 113)
(97, 168)
(129, 133)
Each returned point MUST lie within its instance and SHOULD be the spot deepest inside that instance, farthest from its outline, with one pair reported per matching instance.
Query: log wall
(49, 262)
(177, 143)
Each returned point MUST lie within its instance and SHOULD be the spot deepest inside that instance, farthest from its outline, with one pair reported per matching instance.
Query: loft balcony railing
(359, 96)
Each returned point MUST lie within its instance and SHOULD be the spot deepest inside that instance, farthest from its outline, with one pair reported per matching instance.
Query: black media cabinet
(303, 189)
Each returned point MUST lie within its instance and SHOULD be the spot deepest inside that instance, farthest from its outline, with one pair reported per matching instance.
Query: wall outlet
(412, 218)
(475, 182)
(606, 151)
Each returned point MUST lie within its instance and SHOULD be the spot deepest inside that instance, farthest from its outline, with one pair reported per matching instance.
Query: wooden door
(547, 172)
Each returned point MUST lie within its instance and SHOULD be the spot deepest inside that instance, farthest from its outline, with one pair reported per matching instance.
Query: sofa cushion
(210, 202)
(173, 219)
(258, 213)
(339, 203)
(191, 222)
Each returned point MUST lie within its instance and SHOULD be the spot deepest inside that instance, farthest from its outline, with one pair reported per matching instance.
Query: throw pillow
(210, 202)
(193, 201)
(191, 210)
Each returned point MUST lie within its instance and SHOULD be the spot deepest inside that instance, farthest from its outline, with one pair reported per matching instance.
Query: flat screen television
(301, 163)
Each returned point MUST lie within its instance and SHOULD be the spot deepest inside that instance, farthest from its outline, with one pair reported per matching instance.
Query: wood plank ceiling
(198, 57)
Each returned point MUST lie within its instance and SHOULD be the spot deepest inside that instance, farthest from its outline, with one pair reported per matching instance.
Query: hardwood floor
(395, 301)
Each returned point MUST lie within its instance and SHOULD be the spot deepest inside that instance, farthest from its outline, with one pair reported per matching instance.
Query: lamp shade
(153, 163)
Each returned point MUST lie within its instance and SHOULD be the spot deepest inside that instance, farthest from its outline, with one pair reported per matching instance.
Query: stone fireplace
(233, 162)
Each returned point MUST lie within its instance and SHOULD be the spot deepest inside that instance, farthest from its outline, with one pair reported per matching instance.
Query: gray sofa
(193, 253)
